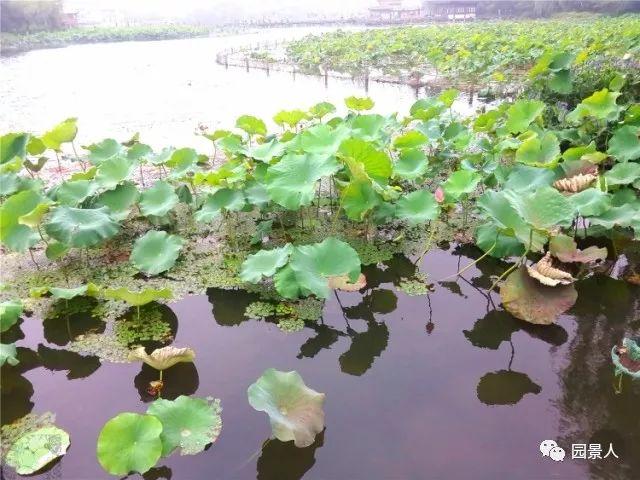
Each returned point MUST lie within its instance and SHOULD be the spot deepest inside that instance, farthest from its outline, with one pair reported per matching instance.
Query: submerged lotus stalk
(163, 358)
(576, 183)
(547, 274)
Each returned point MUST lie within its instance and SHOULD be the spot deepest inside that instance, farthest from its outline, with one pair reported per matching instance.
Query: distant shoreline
(15, 43)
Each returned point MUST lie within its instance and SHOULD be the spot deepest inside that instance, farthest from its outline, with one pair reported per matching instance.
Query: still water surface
(444, 386)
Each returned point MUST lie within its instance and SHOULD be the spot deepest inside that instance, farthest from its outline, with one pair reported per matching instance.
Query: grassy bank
(14, 43)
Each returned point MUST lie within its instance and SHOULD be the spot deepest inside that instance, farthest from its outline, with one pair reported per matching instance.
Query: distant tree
(546, 8)
(30, 16)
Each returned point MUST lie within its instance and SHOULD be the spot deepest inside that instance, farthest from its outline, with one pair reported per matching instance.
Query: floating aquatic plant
(295, 410)
(37, 448)
(527, 299)
(129, 442)
(10, 311)
(188, 423)
(626, 358)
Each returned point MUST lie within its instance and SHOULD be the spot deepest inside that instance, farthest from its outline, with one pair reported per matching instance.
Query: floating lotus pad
(188, 423)
(527, 299)
(156, 252)
(129, 442)
(37, 448)
(295, 410)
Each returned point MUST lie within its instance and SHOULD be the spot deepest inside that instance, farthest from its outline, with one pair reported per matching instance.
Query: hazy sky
(184, 7)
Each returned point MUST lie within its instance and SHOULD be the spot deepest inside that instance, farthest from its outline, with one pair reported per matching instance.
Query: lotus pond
(337, 292)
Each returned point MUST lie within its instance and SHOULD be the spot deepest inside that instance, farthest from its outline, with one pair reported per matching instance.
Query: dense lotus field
(557, 56)
(293, 214)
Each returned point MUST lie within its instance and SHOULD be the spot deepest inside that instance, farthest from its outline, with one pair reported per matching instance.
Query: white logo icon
(557, 454)
(546, 446)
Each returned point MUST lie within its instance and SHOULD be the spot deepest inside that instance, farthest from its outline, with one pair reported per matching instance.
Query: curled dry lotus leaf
(547, 274)
(527, 299)
(37, 448)
(341, 282)
(295, 410)
(565, 249)
(163, 358)
(575, 184)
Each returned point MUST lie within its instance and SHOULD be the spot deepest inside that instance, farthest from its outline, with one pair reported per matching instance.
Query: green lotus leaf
(35, 216)
(79, 227)
(161, 157)
(412, 164)
(601, 105)
(216, 135)
(291, 182)
(427, 108)
(358, 198)
(289, 117)
(527, 299)
(163, 358)
(88, 290)
(13, 234)
(489, 237)
(188, 423)
(119, 200)
(89, 174)
(576, 153)
(591, 201)
(460, 182)
(321, 139)
(35, 146)
(10, 311)
(417, 207)
(104, 150)
(321, 109)
(623, 173)
(8, 354)
(565, 249)
(539, 151)
(264, 263)
(13, 145)
(158, 200)
(156, 252)
(544, 208)
(358, 103)
(267, 151)
(411, 139)
(524, 177)
(10, 183)
(36, 167)
(223, 199)
(37, 448)
(256, 194)
(561, 81)
(56, 250)
(139, 151)
(129, 442)
(73, 193)
(251, 125)
(182, 161)
(499, 208)
(64, 132)
(287, 283)
(313, 263)
(622, 216)
(447, 97)
(295, 410)
(366, 159)
(137, 299)
(629, 364)
(113, 171)
(522, 113)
